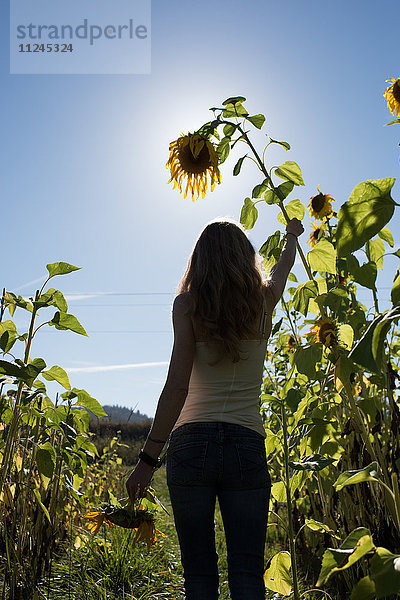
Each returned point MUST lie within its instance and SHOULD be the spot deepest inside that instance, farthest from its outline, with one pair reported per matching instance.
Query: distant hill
(121, 414)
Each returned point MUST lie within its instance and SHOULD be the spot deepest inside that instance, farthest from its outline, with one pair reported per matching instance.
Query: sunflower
(140, 519)
(293, 342)
(392, 96)
(324, 331)
(147, 532)
(315, 234)
(320, 205)
(97, 518)
(195, 158)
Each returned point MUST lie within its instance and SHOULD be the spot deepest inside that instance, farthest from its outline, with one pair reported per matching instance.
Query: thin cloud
(25, 285)
(104, 368)
(71, 298)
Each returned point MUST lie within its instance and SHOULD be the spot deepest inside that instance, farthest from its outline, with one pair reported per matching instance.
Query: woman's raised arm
(279, 273)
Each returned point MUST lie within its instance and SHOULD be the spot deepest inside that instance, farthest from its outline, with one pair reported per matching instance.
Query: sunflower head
(392, 96)
(320, 205)
(293, 342)
(324, 331)
(147, 532)
(194, 158)
(96, 519)
(316, 233)
(141, 519)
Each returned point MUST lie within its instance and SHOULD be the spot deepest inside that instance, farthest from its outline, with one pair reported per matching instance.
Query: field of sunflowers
(330, 405)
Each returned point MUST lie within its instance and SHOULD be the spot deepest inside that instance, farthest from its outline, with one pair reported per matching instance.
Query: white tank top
(226, 391)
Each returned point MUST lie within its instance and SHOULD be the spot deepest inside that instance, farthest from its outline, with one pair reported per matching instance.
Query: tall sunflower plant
(329, 398)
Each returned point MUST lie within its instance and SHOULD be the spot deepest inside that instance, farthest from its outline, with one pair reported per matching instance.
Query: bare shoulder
(182, 304)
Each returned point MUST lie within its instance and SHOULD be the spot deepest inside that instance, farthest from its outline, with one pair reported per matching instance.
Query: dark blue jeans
(210, 460)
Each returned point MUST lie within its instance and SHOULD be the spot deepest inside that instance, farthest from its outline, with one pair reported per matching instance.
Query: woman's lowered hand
(138, 481)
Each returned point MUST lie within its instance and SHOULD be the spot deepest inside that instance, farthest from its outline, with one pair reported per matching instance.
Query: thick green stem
(3, 304)
(374, 294)
(292, 546)
(276, 191)
(11, 437)
(395, 485)
(388, 494)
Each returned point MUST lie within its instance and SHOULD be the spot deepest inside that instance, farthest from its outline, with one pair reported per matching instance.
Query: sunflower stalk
(11, 437)
(388, 493)
(374, 294)
(279, 195)
(292, 543)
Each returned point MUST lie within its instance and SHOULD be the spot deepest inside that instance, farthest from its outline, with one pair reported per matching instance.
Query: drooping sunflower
(320, 205)
(194, 158)
(147, 532)
(392, 96)
(315, 234)
(96, 519)
(293, 342)
(324, 331)
(140, 519)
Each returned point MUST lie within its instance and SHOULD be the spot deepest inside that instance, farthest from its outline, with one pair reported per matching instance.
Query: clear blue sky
(83, 160)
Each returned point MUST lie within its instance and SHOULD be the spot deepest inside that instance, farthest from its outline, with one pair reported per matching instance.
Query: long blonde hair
(225, 286)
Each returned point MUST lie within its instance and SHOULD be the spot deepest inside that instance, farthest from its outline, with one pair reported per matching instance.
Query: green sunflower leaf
(65, 321)
(249, 214)
(234, 110)
(60, 268)
(364, 275)
(354, 547)
(238, 166)
(303, 295)
(376, 250)
(320, 527)
(8, 335)
(57, 374)
(234, 100)
(290, 171)
(223, 149)
(306, 359)
(322, 257)
(295, 209)
(385, 572)
(229, 129)
(369, 473)
(42, 506)
(259, 189)
(84, 399)
(386, 235)
(285, 145)
(279, 193)
(368, 352)
(277, 577)
(364, 590)
(257, 120)
(314, 462)
(45, 459)
(367, 211)
(52, 297)
(272, 247)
